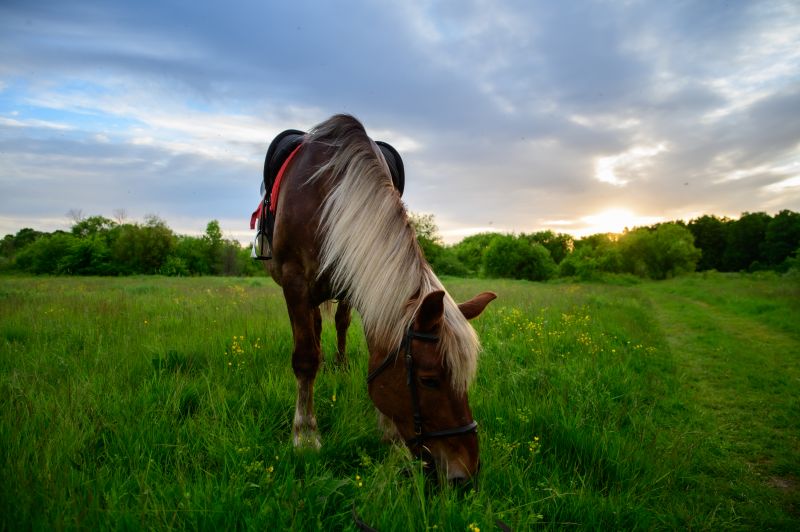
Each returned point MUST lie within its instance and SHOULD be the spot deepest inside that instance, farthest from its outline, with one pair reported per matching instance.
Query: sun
(613, 220)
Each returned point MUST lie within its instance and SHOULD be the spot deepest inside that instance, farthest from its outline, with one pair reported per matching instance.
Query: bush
(45, 254)
(447, 263)
(470, 251)
(516, 257)
(593, 255)
(658, 253)
(174, 267)
(86, 256)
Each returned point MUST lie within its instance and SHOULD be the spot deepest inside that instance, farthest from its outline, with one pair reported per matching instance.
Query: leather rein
(419, 435)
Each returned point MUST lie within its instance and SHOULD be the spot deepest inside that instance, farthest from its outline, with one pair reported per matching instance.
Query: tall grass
(167, 403)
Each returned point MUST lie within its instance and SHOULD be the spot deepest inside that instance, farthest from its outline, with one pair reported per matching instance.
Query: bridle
(419, 435)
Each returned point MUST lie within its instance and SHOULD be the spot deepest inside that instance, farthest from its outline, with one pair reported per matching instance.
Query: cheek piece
(419, 434)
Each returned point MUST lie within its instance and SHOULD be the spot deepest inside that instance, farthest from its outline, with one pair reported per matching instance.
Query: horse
(342, 232)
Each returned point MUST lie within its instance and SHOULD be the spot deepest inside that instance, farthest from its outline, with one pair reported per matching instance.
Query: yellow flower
(333, 398)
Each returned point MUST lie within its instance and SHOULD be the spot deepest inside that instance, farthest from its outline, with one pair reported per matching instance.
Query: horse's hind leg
(343, 315)
(306, 357)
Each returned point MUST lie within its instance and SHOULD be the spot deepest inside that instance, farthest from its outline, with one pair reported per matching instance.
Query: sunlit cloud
(604, 121)
(620, 169)
(782, 186)
(34, 123)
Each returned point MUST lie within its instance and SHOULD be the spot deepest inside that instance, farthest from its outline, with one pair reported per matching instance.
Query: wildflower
(333, 398)
(270, 469)
(473, 527)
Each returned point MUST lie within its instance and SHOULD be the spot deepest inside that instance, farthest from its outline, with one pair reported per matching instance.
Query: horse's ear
(472, 308)
(430, 312)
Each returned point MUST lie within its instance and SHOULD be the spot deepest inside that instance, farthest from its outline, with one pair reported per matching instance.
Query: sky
(579, 117)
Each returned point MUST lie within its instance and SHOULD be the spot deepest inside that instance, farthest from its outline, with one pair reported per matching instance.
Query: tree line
(99, 246)
(753, 242)
(756, 241)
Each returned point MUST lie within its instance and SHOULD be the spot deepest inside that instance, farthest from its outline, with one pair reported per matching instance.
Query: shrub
(515, 257)
(658, 253)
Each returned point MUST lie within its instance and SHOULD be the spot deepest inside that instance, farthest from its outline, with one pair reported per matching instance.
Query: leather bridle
(419, 435)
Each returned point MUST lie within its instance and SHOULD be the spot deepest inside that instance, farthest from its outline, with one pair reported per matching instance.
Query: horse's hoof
(307, 440)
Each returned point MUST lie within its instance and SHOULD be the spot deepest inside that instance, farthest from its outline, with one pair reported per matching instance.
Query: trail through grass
(150, 402)
(737, 353)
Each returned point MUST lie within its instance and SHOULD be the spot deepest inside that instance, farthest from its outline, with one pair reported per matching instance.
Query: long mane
(370, 251)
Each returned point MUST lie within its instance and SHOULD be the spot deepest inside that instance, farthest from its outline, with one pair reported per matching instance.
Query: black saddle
(279, 149)
(286, 142)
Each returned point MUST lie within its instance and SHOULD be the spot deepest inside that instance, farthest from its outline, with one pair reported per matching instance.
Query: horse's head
(414, 387)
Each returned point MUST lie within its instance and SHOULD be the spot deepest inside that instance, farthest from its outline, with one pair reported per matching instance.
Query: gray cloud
(509, 107)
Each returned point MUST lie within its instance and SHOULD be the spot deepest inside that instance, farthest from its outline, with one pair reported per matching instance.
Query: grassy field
(167, 403)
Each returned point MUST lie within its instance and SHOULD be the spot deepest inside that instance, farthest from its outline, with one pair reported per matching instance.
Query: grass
(167, 403)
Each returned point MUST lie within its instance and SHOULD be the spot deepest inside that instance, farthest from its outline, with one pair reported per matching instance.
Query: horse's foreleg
(306, 357)
(343, 314)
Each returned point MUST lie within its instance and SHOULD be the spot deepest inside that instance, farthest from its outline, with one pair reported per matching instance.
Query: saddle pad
(283, 148)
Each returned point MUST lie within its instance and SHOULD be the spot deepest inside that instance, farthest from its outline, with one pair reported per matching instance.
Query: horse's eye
(429, 382)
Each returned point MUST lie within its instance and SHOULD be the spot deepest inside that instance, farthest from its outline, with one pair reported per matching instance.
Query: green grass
(167, 403)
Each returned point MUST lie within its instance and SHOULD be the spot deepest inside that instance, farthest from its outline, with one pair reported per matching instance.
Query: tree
(558, 244)
(91, 226)
(593, 255)
(471, 249)
(46, 254)
(86, 256)
(425, 227)
(11, 244)
(427, 233)
(76, 215)
(710, 237)
(441, 258)
(782, 237)
(516, 257)
(213, 243)
(659, 252)
(120, 215)
(744, 249)
(142, 248)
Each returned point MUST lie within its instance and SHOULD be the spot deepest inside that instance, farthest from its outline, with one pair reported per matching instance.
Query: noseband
(419, 435)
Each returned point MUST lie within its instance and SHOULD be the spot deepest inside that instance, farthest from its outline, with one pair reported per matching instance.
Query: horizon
(249, 241)
(579, 119)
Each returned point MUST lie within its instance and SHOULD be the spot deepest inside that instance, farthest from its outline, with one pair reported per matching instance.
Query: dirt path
(743, 378)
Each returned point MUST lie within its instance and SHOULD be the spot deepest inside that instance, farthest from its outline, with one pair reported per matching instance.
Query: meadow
(166, 403)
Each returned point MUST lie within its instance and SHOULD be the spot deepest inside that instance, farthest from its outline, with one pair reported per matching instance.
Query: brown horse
(341, 231)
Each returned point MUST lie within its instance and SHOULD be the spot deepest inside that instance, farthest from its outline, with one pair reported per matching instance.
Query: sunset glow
(613, 221)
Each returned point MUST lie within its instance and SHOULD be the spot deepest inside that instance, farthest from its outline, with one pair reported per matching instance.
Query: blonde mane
(370, 251)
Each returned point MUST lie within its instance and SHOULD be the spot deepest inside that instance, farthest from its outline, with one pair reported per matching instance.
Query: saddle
(280, 151)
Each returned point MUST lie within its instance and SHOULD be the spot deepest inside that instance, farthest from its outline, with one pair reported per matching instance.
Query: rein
(419, 435)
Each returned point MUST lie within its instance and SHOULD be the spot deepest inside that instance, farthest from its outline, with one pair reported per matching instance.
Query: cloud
(508, 115)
